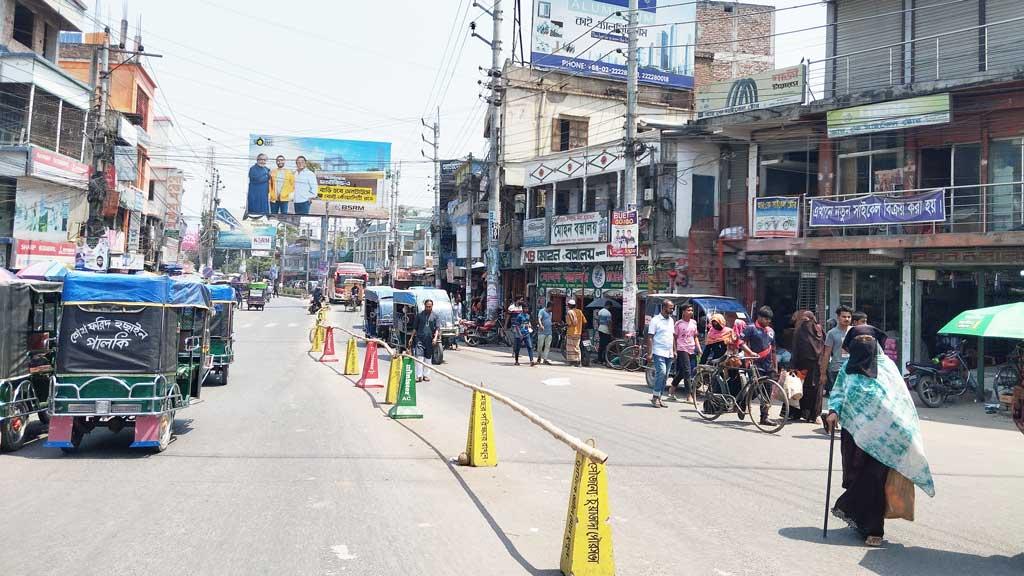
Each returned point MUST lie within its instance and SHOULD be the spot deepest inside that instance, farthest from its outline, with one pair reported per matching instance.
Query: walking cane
(828, 487)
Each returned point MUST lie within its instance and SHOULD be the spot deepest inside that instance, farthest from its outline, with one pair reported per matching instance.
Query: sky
(340, 69)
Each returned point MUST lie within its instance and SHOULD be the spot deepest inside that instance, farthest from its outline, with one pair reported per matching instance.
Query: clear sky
(339, 69)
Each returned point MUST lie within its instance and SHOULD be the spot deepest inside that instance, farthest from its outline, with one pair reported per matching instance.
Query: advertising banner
(572, 277)
(625, 233)
(134, 231)
(535, 232)
(589, 38)
(338, 178)
(44, 211)
(58, 168)
(764, 90)
(576, 228)
(247, 238)
(95, 259)
(462, 247)
(27, 252)
(776, 217)
(894, 115)
(568, 254)
(875, 210)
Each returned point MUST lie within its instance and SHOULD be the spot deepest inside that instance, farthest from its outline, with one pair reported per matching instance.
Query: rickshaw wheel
(224, 376)
(44, 417)
(77, 434)
(13, 429)
(166, 423)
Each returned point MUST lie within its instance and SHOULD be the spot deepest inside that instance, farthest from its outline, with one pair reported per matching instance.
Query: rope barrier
(562, 436)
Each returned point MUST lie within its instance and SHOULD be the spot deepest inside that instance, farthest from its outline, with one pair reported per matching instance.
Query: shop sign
(134, 231)
(44, 211)
(47, 165)
(94, 259)
(129, 261)
(576, 228)
(558, 254)
(535, 232)
(875, 210)
(776, 217)
(625, 233)
(764, 90)
(894, 115)
(28, 252)
(574, 277)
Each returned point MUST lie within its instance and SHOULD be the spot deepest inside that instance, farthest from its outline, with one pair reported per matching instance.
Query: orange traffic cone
(328, 355)
(371, 372)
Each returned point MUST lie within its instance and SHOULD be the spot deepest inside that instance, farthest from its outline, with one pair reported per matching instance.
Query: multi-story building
(136, 225)
(44, 150)
(415, 249)
(896, 188)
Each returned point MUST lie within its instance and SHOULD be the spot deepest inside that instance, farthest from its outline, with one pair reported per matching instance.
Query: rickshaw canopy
(15, 309)
(222, 293)
(377, 293)
(97, 288)
(417, 295)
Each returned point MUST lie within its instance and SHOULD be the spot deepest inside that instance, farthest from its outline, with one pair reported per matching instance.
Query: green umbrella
(1006, 321)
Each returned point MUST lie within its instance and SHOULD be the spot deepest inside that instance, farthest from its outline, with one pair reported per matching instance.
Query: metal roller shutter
(1005, 49)
(957, 54)
(856, 31)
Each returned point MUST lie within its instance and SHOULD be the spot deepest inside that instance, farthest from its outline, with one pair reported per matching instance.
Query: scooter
(945, 377)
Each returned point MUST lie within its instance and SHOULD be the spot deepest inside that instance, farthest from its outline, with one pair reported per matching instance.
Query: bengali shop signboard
(28, 252)
(535, 232)
(576, 228)
(572, 277)
(776, 217)
(874, 210)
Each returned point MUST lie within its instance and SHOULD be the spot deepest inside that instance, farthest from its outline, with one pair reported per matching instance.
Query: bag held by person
(794, 387)
(899, 496)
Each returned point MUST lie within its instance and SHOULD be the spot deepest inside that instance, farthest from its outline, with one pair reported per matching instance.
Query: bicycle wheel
(772, 403)
(613, 351)
(708, 400)
(1006, 378)
(629, 358)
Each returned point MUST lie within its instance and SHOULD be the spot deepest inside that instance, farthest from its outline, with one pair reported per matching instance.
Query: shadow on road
(899, 559)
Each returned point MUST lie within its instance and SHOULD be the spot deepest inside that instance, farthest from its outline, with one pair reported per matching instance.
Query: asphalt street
(290, 469)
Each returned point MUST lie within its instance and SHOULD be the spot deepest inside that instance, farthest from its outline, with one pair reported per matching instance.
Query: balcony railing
(976, 208)
(959, 54)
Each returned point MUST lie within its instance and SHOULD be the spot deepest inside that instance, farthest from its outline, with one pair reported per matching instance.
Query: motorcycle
(946, 376)
(480, 331)
(315, 304)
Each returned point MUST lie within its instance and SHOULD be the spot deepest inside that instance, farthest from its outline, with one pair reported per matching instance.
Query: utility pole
(208, 235)
(435, 226)
(493, 180)
(394, 222)
(629, 264)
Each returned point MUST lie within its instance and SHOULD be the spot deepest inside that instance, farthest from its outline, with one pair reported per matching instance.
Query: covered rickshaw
(379, 312)
(222, 326)
(133, 350)
(409, 303)
(29, 314)
(257, 296)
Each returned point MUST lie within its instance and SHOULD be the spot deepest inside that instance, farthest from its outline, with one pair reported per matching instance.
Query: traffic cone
(318, 339)
(328, 355)
(371, 369)
(480, 446)
(398, 366)
(587, 548)
(351, 358)
(405, 403)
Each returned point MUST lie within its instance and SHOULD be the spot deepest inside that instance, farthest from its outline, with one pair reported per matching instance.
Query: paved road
(292, 470)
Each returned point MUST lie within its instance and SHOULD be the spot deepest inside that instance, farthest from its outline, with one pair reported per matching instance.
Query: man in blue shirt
(604, 330)
(544, 334)
(759, 340)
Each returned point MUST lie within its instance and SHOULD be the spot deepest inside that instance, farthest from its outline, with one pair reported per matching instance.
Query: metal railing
(974, 208)
(960, 54)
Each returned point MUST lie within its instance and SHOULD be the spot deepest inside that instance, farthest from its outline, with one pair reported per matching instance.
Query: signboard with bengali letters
(576, 228)
(875, 210)
(776, 217)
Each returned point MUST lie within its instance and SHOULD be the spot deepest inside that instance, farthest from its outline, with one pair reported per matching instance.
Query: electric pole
(494, 179)
(629, 264)
(395, 251)
(435, 226)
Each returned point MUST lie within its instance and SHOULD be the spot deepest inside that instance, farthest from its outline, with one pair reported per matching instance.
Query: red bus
(346, 271)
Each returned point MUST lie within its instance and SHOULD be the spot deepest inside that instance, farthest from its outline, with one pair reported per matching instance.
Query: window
(152, 190)
(861, 158)
(568, 132)
(49, 43)
(1006, 168)
(24, 25)
(142, 109)
(143, 158)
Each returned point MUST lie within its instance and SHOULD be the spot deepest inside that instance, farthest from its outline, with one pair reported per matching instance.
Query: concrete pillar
(826, 168)
(906, 313)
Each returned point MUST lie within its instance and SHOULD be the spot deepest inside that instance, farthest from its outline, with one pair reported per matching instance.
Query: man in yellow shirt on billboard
(282, 186)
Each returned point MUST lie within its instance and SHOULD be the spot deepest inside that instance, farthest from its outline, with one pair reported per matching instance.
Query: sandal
(873, 541)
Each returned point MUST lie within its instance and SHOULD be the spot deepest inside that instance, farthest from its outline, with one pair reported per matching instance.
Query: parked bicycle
(713, 393)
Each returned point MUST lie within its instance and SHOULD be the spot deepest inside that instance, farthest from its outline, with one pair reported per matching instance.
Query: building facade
(44, 149)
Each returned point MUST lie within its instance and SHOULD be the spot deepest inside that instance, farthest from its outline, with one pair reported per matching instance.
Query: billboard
(764, 90)
(586, 38)
(43, 211)
(244, 235)
(316, 176)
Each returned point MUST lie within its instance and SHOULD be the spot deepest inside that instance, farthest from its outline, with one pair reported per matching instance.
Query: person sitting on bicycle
(759, 341)
(718, 339)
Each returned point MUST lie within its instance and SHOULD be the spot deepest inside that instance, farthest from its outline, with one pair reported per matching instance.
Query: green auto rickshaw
(222, 326)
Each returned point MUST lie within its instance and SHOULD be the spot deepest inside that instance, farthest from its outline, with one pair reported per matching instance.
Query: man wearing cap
(574, 322)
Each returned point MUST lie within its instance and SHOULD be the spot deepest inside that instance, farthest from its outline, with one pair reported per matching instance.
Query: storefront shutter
(1005, 49)
(957, 53)
(854, 32)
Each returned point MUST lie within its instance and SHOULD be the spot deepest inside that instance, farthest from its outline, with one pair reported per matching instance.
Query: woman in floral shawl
(880, 434)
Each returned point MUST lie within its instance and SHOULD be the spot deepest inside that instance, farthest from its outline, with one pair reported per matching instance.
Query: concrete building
(897, 190)
(44, 152)
(415, 249)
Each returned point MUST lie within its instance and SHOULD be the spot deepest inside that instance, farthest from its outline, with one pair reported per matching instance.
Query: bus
(343, 272)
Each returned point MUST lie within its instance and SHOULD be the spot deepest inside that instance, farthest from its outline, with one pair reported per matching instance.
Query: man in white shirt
(661, 349)
(305, 186)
